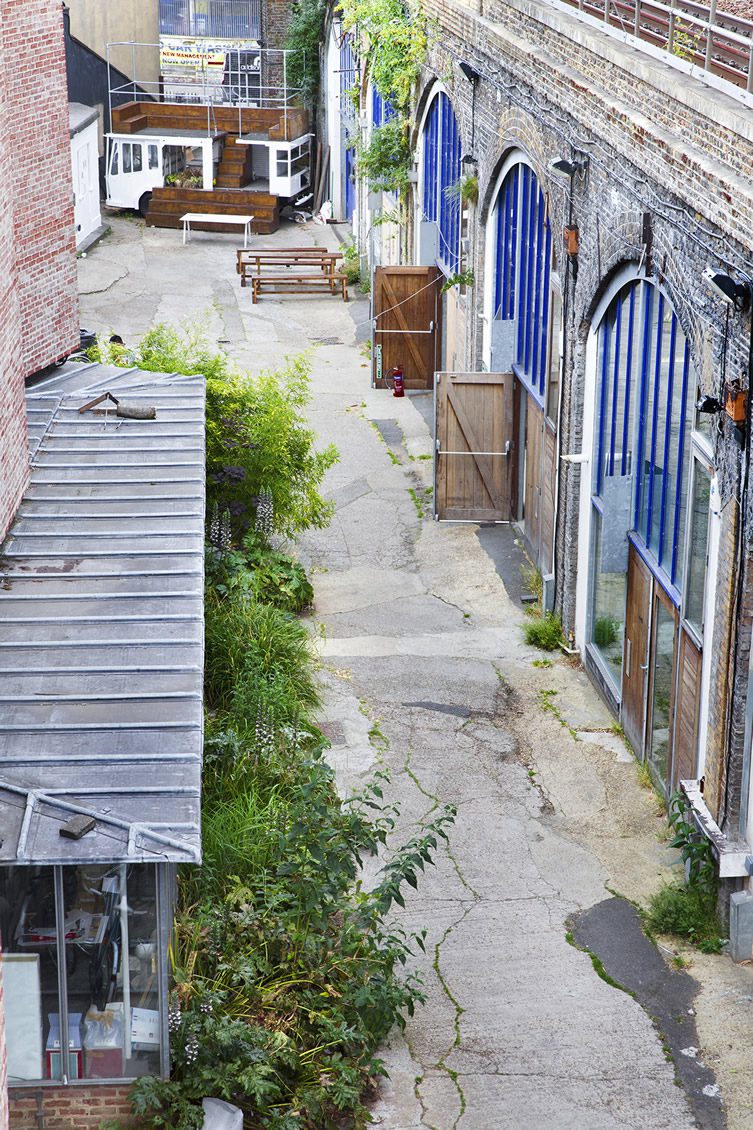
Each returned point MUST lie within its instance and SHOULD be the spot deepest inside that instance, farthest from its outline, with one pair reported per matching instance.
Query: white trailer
(137, 163)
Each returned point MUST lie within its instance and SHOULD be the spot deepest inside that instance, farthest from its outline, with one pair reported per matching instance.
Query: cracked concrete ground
(425, 673)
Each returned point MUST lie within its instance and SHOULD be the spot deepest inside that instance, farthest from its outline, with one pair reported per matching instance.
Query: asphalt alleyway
(426, 675)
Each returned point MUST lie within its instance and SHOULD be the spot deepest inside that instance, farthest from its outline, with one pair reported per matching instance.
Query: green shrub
(258, 442)
(543, 631)
(687, 913)
(260, 572)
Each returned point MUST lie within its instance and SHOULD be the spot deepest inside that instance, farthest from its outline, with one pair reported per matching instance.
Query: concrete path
(426, 674)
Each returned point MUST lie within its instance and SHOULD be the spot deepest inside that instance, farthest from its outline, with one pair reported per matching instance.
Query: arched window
(644, 412)
(349, 119)
(522, 270)
(382, 109)
(441, 174)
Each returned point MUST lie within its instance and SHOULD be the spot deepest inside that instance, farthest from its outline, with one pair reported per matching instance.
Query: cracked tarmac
(425, 673)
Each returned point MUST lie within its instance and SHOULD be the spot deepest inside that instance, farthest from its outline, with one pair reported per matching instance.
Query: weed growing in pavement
(543, 631)
(541, 663)
(689, 910)
(421, 498)
(547, 704)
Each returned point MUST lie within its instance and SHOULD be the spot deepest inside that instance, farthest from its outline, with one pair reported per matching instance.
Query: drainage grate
(326, 340)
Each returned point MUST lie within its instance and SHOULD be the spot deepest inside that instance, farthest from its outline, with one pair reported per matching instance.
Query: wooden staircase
(170, 203)
(235, 168)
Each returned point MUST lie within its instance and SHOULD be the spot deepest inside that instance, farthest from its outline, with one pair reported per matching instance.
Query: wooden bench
(215, 218)
(298, 283)
(297, 269)
(249, 263)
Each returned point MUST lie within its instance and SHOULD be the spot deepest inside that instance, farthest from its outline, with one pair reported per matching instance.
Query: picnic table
(215, 218)
(292, 269)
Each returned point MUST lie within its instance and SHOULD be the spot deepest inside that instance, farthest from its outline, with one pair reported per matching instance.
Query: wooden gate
(473, 452)
(407, 312)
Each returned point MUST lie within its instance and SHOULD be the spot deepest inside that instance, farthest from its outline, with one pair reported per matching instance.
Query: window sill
(729, 854)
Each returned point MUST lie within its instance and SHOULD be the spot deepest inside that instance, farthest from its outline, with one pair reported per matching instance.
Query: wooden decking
(134, 117)
(170, 203)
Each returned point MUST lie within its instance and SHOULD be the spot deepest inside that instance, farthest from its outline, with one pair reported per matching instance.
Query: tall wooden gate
(473, 447)
(407, 314)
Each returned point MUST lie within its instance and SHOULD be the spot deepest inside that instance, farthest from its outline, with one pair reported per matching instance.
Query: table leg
(185, 229)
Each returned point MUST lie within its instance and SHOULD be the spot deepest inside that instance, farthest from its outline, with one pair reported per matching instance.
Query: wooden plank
(475, 443)
(635, 657)
(405, 304)
(402, 322)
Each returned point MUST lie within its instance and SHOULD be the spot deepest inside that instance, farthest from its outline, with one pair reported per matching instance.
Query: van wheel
(144, 203)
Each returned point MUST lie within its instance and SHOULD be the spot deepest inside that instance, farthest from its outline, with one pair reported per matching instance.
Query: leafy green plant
(303, 38)
(543, 631)
(393, 38)
(351, 261)
(385, 159)
(689, 910)
(465, 189)
(460, 278)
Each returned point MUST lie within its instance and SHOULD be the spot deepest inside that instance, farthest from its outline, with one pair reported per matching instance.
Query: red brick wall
(38, 291)
(69, 1108)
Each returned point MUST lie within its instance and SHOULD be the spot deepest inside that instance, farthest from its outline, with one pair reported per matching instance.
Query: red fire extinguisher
(398, 385)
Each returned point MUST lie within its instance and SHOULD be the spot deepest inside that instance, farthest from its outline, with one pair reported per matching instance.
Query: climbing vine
(303, 37)
(392, 42)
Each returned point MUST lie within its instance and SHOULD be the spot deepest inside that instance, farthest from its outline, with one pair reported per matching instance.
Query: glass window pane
(30, 972)
(608, 608)
(698, 549)
(553, 384)
(153, 157)
(114, 164)
(137, 158)
(661, 693)
(126, 158)
(112, 987)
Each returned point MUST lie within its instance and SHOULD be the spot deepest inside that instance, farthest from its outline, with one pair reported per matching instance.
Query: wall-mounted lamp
(708, 404)
(469, 164)
(569, 169)
(735, 294)
(470, 72)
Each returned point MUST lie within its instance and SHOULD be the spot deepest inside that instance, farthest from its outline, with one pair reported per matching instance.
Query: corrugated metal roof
(101, 624)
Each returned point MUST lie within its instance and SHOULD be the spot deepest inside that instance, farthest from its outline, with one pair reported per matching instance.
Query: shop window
(82, 948)
(609, 584)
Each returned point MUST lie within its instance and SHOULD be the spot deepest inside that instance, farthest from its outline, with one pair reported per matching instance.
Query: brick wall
(660, 145)
(38, 291)
(69, 1108)
(37, 144)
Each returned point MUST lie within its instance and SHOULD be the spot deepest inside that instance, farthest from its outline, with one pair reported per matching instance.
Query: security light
(735, 294)
(564, 168)
(708, 404)
(470, 72)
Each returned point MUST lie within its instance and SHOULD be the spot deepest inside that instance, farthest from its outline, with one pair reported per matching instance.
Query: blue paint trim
(606, 346)
(683, 472)
(522, 376)
(648, 295)
(654, 420)
(667, 436)
(626, 437)
(615, 383)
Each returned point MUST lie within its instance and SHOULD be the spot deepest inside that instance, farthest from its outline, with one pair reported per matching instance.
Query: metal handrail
(700, 34)
(266, 95)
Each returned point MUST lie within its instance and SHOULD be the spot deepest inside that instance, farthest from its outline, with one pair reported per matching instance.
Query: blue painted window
(382, 109)
(646, 389)
(348, 79)
(522, 273)
(441, 173)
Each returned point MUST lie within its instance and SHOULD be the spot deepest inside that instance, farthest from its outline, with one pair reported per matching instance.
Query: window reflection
(109, 978)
